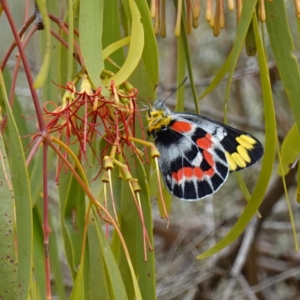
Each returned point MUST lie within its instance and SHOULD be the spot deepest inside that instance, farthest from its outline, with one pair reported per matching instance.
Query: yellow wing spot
(231, 162)
(239, 160)
(244, 143)
(248, 139)
(244, 154)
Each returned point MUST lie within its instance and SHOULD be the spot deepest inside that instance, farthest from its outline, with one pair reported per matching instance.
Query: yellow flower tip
(195, 23)
(262, 11)
(177, 31)
(178, 19)
(196, 12)
(95, 106)
(135, 184)
(208, 15)
(220, 14)
(128, 86)
(239, 5)
(231, 5)
(297, 7)
(189, 27)
(126, 175)
(216, 30)
(163, 32)
(262, 17)
(211, 23)
(105, 177)
(67, 97)
(153, 9)
(107, 163)
(153, 151)
(156, 25)
(86, 86)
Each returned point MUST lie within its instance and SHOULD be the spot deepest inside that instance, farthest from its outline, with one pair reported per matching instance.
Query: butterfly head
(159, 117)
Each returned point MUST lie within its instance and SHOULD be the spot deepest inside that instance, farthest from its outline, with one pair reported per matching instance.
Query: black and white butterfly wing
(193, 163)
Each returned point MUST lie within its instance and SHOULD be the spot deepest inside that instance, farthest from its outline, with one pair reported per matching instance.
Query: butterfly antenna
(180, 85)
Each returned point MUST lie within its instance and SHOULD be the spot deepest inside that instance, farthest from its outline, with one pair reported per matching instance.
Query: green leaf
(20, 182)
(55, 259)
(72, 210)
(38, 276)
(135, 48)
(268, 160)
(36, 180)
(98, 280)
(43, 73)
(90, 27)
(185, 47)
(78, 291)
(112, 32)
(290, 150)
(114, 280)
(115, 46)
(145, 76)
(181, 69)
(282, 48)
(250, 43)
(8, 277)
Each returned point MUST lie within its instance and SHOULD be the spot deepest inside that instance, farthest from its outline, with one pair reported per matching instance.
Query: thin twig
(277, 278)
(241, 258)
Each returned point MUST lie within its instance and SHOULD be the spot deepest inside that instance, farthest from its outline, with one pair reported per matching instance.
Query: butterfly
(197, 153)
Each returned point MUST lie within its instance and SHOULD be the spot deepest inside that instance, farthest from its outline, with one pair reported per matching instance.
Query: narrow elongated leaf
(43, 73)
(186, 49)
(20, 183)
(145, 76)
(8, 274)
(72, 201)
(268, 160)
(290, 150)
(181, 69)
(135, 49)
(112, 32)
(282, 48)
(90, 27)
(98, 283)
(145, 270)
(115, 46)
(115, 282)
(78, 291)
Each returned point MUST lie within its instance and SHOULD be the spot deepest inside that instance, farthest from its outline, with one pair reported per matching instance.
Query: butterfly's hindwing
(196, 164)
(196, 153)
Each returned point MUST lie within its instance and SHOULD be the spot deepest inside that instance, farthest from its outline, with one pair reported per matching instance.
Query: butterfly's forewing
(241, 149)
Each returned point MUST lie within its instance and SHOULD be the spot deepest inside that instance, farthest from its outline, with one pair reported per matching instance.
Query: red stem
(13, 45)
(26, 67)
(44, 134)
(15, 75)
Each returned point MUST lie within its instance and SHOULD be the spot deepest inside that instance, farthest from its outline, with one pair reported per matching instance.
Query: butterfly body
(196, 153)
